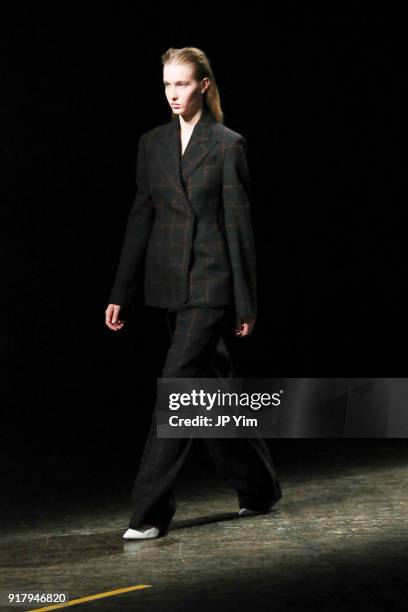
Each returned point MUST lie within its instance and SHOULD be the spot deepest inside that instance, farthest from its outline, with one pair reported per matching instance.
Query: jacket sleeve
(238, 226)
(139, 225)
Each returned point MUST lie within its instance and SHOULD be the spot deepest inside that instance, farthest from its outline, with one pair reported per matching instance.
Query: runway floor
(337, 540)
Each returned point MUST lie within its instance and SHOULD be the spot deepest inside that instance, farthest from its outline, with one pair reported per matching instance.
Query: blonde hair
(201, 69)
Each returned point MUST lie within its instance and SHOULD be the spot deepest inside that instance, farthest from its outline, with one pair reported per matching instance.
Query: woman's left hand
(244, 327)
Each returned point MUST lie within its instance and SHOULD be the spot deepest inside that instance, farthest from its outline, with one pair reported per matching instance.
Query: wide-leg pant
(198, 349)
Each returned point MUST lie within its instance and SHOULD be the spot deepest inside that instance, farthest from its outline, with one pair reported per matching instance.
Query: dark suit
(191, 220)
(192, 215)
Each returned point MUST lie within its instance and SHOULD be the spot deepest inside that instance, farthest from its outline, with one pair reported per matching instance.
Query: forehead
(176, 72)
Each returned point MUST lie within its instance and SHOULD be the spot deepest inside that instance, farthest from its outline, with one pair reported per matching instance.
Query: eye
(182, 84)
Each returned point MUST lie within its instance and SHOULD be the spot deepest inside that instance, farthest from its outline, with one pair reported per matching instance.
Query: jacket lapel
(178, 168)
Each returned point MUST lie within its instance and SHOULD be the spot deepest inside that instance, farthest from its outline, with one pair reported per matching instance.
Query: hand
(244, 326)
(112, 317)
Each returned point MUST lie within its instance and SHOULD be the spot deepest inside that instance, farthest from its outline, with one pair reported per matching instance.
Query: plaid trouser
(198, 349)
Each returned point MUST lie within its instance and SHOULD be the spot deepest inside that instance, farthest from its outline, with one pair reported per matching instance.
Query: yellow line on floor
(74, 602)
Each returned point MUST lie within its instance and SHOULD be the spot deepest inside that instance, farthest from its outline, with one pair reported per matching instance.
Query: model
(190, 224)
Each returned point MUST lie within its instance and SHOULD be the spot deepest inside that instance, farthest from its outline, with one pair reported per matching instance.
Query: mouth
(175, 105)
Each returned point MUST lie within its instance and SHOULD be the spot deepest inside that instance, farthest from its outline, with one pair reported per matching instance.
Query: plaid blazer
(190, 221)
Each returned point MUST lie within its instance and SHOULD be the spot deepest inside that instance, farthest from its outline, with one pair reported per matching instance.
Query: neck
(188, 121)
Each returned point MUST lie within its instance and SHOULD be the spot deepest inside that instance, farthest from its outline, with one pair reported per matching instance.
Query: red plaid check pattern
(190, 221)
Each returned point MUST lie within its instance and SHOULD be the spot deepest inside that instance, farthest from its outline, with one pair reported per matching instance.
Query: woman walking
(191, 221)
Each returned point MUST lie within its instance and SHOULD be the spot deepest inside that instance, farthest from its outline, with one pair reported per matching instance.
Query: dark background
(319, 96)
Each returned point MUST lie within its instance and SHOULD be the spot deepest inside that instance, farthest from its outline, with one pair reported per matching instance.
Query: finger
(245, 330)
(113, 325)
(115, 314)
(241, 331)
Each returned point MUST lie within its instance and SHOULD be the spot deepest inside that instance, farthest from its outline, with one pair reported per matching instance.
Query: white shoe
(249, 512)
(146, 531)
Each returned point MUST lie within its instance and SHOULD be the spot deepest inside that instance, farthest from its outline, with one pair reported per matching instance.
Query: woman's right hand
(112, 317)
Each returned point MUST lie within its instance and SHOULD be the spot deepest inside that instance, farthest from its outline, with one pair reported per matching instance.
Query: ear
(206, 83)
